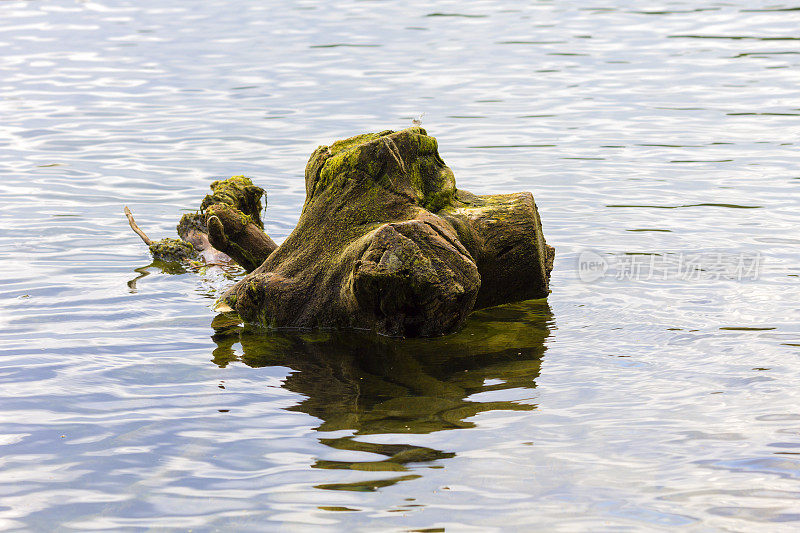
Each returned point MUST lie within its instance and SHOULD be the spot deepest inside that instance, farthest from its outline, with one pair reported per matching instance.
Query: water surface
(659, 140)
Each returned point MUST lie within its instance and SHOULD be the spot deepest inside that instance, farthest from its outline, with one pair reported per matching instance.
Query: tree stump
(385, 242)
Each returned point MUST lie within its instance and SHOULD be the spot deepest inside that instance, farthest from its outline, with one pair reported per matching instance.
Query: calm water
(660, 140)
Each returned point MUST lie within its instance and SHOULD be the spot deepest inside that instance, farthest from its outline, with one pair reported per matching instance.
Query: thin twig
(135, 228)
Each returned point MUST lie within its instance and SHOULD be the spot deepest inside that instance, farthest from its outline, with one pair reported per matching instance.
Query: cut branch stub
(503, 233)
(234, 233)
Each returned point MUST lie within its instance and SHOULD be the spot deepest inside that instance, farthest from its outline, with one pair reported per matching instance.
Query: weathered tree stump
(385, 242)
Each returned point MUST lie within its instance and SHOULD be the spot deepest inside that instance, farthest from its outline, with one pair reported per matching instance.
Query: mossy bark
(234, 233)
(172, 250)
(386, 242)
(231, 217)
(240, 193)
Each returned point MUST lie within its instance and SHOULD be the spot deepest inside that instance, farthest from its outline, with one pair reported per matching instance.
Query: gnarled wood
(386, 242)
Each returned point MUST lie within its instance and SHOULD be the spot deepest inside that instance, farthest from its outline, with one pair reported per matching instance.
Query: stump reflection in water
(377, 385)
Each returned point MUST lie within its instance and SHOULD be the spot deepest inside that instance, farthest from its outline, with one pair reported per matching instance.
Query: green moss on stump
(239, 192)
(191, 222)
(406, 162)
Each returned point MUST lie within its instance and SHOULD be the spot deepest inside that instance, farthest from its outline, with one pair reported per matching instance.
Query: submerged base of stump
(385, 242)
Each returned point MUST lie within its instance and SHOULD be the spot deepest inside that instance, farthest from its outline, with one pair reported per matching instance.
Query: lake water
(655, 389)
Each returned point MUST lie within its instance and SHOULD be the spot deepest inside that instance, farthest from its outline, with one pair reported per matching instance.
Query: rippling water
(651, 396)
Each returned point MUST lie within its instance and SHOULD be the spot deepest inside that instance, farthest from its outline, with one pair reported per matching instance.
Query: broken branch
(136, 228)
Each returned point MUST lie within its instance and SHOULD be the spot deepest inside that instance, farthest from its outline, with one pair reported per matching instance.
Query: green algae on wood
(172, 250)
(239, 192)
